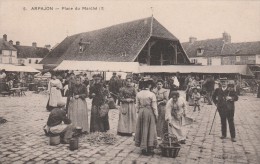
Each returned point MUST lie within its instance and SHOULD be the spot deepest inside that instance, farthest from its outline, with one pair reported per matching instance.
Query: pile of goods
(100, 138)
(2, 120)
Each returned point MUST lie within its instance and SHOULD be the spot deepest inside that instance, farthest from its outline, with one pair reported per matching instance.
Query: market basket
(170, 147)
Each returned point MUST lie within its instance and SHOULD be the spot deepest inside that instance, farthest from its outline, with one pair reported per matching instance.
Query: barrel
(74, 144)
(55, 140)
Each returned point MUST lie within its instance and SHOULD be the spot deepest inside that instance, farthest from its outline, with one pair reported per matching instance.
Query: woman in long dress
(127, 112)
(54, 90)
(162, 98)
(146, 135)
(99, 93)
(174, 115)
(77, 110)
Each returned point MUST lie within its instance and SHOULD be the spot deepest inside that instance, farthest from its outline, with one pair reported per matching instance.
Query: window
(194, 61)
(10, 53)
(36, 61)
(200, 51)
(238, 58)
(0, 60)
(251, 57)
(20, 61)
(10, 60)
(80, 48)
(1, 52)
(30, 61)
(225, 58)
(209, 61)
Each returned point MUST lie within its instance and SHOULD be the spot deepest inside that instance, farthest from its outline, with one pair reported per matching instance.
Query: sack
(111, 103)
(103, 111)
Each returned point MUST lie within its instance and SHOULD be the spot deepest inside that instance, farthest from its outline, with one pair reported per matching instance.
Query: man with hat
(113, 86)
(59, 124)
(224, 98)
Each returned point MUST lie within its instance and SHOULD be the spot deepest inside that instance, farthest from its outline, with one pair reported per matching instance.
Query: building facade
(30, 55)
(221, 51)
(8, 53)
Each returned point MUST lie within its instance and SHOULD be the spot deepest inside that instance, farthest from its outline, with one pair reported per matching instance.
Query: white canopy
(99, 66)
(219, 69)
(14, 68)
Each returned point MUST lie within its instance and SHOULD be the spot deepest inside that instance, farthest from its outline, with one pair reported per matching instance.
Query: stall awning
(14, 68)
(99, 66)
(220, 69)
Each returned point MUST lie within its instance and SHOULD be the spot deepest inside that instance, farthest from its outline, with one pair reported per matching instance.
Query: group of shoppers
(147, 114)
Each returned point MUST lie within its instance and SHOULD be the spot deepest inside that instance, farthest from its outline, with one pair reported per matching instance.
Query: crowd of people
(146, 112)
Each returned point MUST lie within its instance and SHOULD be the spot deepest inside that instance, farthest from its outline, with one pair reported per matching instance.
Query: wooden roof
(118, 43)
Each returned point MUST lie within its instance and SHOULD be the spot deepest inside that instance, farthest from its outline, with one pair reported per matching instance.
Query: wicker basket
(169, 146)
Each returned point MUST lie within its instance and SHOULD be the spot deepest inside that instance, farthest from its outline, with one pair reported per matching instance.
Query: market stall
(99, 66)
(14, 68)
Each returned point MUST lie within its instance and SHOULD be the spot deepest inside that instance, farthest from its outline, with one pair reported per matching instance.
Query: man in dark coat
(113, 86)
(224, 98)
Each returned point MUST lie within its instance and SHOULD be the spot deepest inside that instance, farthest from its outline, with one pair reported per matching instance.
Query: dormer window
(200, 51)
(83, 45)
(80, 48)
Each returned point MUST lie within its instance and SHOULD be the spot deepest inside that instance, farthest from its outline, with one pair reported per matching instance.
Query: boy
(196, 97)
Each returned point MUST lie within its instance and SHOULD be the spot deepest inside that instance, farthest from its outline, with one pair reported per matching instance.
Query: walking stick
(213, 122)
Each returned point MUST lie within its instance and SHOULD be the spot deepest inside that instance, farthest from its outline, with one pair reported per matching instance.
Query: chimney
(34, 44)
(11, 42)
(5, 37)
(192, 39)
(17, 43)
(226, 37)
(48, 46)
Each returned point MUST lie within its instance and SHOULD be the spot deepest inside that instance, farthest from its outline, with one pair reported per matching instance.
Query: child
(196, 98)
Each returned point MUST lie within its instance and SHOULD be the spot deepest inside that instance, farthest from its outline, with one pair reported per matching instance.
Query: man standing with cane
(224, 98)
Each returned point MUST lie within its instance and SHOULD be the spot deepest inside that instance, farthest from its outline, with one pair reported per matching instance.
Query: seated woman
(174, 115)
(59, 124)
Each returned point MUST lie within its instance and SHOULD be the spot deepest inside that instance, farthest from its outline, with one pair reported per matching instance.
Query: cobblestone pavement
(22, 139)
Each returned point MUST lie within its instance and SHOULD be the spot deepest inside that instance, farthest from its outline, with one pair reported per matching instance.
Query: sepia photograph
(129, 82)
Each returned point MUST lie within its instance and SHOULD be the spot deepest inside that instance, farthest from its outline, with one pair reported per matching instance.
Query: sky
(204, 19)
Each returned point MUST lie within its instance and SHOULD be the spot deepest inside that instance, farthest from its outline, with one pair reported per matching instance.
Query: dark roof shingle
(243, 48)
(31, 52)
(211, 47)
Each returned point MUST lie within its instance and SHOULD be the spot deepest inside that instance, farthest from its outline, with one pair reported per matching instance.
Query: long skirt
(161, 120)
(55, 97)
(178, 128)
(146, 135)
(97, 123)
(78, 113)
(127, 119)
